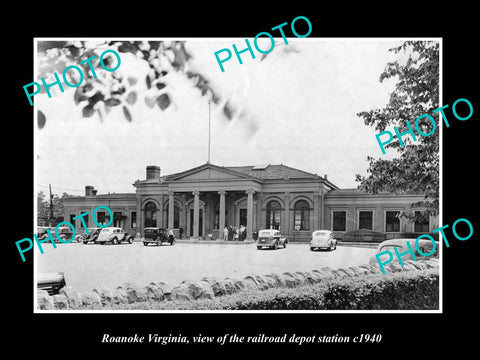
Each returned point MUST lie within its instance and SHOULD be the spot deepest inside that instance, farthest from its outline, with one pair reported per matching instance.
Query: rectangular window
(133, 219)
(392, 221)
(365, 220)
(101, 217)
(339, 221)
(422, 223)
(72, 221)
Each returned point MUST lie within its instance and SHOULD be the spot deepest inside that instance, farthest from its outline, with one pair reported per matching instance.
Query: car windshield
(148, 231)
(320, 233)
(390, 248)
(265, 233)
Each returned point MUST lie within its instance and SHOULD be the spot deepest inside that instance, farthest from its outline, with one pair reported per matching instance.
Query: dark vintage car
(92, 235)
(51, 282)
(114, 235)
(154, 235)
(64, 232)
(271, 238)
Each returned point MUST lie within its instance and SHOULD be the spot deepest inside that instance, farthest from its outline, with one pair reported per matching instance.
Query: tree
(43, 208)
(110, 89)
(416, 169)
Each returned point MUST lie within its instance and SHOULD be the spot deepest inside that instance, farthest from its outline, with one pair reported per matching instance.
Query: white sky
(299, 109)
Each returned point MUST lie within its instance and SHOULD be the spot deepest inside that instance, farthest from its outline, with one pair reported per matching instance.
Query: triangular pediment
(208, 172)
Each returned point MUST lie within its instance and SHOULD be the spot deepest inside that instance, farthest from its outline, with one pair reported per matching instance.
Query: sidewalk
(249, 242)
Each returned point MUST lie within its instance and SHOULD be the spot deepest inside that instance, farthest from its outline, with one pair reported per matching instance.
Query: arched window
(302, 215)
(274, 216)
(150, 215)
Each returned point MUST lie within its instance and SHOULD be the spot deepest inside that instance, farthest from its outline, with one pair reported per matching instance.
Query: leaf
(88, 111)
(132, 97)
(98, 96)
(127, 114)
(228, 111)
(112, 102)
(150, 101)
(78, 96)
(148, 81)
(41, 119)
(160, 85)
(163, 101)
(131, 80)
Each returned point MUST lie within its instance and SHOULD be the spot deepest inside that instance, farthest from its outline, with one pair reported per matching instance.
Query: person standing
(225, 233)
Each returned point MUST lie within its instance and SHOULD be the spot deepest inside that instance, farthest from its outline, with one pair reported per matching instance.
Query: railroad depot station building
(203, 200)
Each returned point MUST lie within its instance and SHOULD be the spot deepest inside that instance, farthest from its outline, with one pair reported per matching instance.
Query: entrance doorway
(243, 217)
(200, 222)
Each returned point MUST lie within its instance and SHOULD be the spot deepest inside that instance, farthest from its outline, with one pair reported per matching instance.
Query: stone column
(249, 213)
(196, 213)
(221, 215)
(286, 221)
(160, 221)
(139, 215)
(317, 213)
(171, 209)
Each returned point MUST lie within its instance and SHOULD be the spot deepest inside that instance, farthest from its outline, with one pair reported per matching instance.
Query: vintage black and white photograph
(266, 174)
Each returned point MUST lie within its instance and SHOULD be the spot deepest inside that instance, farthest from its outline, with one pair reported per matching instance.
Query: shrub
(392, 291)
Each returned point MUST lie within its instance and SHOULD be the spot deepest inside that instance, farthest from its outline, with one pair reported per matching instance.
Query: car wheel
(259, 248)
(115, 241)
(85, 242)
(275, 246)
(130, 240)
(311, 248)
(284, 244)
(331, 247)
(145, 243)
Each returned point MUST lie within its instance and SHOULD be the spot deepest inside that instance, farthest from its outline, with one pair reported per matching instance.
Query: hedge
(408, 290)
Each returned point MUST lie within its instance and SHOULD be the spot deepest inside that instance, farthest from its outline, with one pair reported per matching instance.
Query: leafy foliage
(43, 207)
(111, 89)
(416, 169)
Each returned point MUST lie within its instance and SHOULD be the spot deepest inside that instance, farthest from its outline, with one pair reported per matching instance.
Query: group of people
(231, 233)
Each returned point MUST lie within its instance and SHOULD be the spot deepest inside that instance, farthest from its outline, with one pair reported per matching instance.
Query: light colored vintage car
(114, 235)
(271, 238)
(425, 247)
(323, 239)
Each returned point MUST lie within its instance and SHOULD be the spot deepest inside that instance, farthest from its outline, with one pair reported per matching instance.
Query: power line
(45, 186)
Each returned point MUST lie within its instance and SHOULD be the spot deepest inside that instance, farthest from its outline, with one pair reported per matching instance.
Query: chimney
(89, 191)
(153, 172)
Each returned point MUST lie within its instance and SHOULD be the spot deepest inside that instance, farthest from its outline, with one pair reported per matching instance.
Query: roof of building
(273, 172)
(257, 172)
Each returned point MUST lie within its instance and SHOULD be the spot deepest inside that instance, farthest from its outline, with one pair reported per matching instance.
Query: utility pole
(208, 162)
(51, 203)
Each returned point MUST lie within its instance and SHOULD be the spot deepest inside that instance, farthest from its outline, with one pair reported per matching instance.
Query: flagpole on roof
(208, 161)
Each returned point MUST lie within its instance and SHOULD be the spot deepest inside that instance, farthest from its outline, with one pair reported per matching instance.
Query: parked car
(425, 247)
(323, 239)
(92, 235)
(51, 282)
(115, 235)
(64, 232)
(154, 235)
(271, 238)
